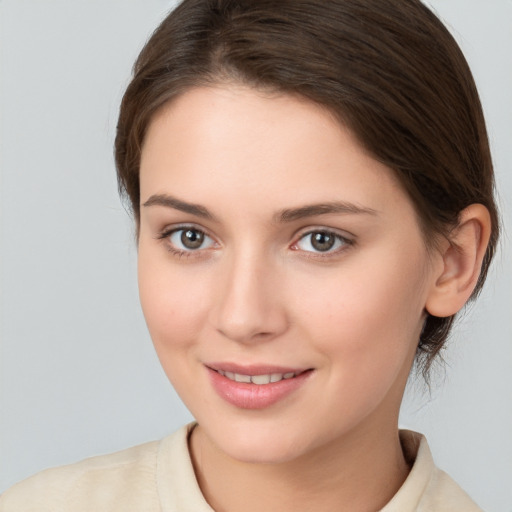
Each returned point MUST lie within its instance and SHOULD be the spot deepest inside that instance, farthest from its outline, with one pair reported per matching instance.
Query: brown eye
(191, 238)
(322, 241)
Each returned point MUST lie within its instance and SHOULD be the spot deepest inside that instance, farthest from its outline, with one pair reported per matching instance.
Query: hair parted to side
(388, 69)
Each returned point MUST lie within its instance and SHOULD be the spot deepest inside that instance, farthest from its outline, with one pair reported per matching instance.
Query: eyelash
(338, 238)
(180, 253)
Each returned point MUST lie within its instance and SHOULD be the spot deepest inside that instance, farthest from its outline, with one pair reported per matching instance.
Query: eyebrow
(334, 207)
(283, 216)
(177, 204)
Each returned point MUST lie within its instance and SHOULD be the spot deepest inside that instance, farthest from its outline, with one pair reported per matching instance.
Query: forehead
(239, 142)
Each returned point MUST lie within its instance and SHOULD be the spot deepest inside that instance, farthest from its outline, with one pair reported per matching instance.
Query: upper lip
(253, 369)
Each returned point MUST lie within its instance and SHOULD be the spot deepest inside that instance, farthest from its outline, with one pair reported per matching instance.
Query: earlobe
(462, 258)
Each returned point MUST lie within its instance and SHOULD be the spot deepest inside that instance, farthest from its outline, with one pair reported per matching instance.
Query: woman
(313, 194)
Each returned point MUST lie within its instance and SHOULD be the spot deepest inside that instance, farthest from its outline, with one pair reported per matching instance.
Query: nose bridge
(248, 307)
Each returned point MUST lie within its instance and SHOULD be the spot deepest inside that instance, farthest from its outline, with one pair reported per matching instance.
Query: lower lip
(255, 396)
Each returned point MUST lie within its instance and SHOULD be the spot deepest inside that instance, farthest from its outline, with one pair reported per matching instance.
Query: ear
(460, 261)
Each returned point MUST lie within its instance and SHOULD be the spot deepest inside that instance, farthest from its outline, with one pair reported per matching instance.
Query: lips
(255, 387)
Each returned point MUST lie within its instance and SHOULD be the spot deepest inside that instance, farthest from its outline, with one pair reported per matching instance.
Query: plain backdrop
(78, 373)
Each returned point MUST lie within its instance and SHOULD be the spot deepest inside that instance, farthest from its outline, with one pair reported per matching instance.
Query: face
(283, 274)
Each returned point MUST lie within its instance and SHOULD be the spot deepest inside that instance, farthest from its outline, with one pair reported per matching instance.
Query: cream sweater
(159, 477)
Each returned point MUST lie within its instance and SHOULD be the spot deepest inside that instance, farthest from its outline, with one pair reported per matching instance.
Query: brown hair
(388, 69)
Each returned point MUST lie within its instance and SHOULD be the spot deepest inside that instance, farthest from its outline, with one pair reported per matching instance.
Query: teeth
(257, 379)
(260, 379)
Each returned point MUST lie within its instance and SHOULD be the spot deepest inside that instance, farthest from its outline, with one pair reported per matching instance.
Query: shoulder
(118, 481)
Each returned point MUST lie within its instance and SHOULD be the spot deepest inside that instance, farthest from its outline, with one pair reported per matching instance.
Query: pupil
(322, 241)
(192, 239)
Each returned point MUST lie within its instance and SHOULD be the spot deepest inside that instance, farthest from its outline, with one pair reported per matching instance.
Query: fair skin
(270, 242)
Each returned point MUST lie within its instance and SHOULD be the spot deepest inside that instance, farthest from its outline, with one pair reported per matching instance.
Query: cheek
(173, 305)
(368, 315)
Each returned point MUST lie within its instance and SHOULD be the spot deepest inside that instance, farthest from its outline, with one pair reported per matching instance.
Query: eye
(321, 241)
(189, 239)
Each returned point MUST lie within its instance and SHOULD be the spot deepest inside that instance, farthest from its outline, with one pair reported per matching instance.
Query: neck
(362, 471)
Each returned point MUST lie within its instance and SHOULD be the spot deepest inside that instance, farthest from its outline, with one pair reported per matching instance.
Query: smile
(257, 379)
(256, 387)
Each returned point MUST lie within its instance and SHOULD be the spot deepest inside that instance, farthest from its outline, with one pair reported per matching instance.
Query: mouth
(255, 387)
(259, 380)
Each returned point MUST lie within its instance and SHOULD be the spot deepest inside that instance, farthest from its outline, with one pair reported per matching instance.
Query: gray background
(78, 373)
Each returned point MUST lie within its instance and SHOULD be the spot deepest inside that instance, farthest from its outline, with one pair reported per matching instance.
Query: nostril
(246, 310)
(245, 334)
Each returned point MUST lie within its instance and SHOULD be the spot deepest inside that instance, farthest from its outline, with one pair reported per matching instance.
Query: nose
(248, 306)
